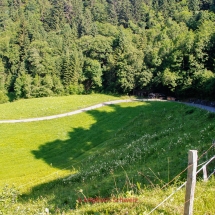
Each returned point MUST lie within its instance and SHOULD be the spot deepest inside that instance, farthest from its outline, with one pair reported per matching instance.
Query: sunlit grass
(39, 107)
(147, 199)
(107, 152)
(18, 142)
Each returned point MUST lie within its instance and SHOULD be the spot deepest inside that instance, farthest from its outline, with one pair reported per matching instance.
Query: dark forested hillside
(50, 47)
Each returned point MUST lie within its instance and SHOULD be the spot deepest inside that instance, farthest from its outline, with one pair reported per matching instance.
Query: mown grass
(128, 150)
(38, 107)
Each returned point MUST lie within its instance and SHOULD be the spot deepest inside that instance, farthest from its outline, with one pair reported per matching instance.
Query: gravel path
(64, 114)
(208, 108)
(211, 109)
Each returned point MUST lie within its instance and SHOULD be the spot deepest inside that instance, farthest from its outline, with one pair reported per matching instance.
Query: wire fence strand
(167, 197)
(207, 162)
(167, 184)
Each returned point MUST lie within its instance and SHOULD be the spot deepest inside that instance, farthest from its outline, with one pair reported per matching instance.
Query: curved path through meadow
(210, 109)
(64, 114)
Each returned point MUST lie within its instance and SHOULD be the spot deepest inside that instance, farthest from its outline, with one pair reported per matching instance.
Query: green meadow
(38, 107)
(131, 150)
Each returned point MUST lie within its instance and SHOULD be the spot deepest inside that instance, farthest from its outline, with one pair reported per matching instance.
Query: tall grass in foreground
(141, 202)
(147, 199)
(127, 150)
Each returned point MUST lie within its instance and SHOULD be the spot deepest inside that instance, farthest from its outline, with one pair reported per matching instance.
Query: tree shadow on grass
(81, 141)
(81, 144)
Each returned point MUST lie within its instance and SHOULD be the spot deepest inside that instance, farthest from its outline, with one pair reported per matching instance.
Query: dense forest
(62, 47)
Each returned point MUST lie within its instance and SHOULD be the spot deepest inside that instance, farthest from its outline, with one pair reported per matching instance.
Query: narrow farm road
(210, 109)
(64, 114)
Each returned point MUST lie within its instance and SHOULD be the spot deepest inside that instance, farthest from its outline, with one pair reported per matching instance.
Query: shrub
(3, 97)
(75, 89)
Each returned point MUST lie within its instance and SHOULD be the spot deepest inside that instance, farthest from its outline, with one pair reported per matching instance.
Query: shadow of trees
(80, 140)
(80, 144)
(109, 128)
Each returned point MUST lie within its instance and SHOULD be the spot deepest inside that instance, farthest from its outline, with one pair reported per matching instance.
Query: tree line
(52, 47)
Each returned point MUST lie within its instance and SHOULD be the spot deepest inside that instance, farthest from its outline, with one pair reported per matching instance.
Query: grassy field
(38, 107)
(128, 150)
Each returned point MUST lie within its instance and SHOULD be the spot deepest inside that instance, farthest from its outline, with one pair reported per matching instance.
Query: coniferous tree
(193, 5)
(113, 45)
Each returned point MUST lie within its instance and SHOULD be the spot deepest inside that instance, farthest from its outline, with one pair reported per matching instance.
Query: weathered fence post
(205, 175)
(191, 182)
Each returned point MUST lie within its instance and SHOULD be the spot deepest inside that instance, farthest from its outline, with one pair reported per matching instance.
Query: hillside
(128, 150)
(50, 47)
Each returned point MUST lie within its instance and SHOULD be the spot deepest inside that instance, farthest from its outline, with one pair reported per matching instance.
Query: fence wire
(205, 163)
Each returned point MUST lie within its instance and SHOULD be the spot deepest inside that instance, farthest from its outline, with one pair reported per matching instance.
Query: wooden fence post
(191, 182)
(205, 175)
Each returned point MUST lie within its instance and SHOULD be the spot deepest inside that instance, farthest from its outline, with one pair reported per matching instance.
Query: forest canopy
(52, 47)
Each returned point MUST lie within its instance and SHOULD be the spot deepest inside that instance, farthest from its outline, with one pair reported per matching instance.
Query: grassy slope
(18, 141)
(110, 150)
(38, 107)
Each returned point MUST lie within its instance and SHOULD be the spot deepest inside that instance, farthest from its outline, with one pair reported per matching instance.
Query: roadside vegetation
(135, 151)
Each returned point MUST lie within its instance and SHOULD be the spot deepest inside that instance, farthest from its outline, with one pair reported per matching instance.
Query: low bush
(3, 97)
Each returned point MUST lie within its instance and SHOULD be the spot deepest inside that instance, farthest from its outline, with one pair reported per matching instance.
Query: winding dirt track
(210, 109)
(64, 114)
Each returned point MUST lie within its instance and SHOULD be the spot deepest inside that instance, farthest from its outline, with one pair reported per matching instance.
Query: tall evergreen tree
(193, 5)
